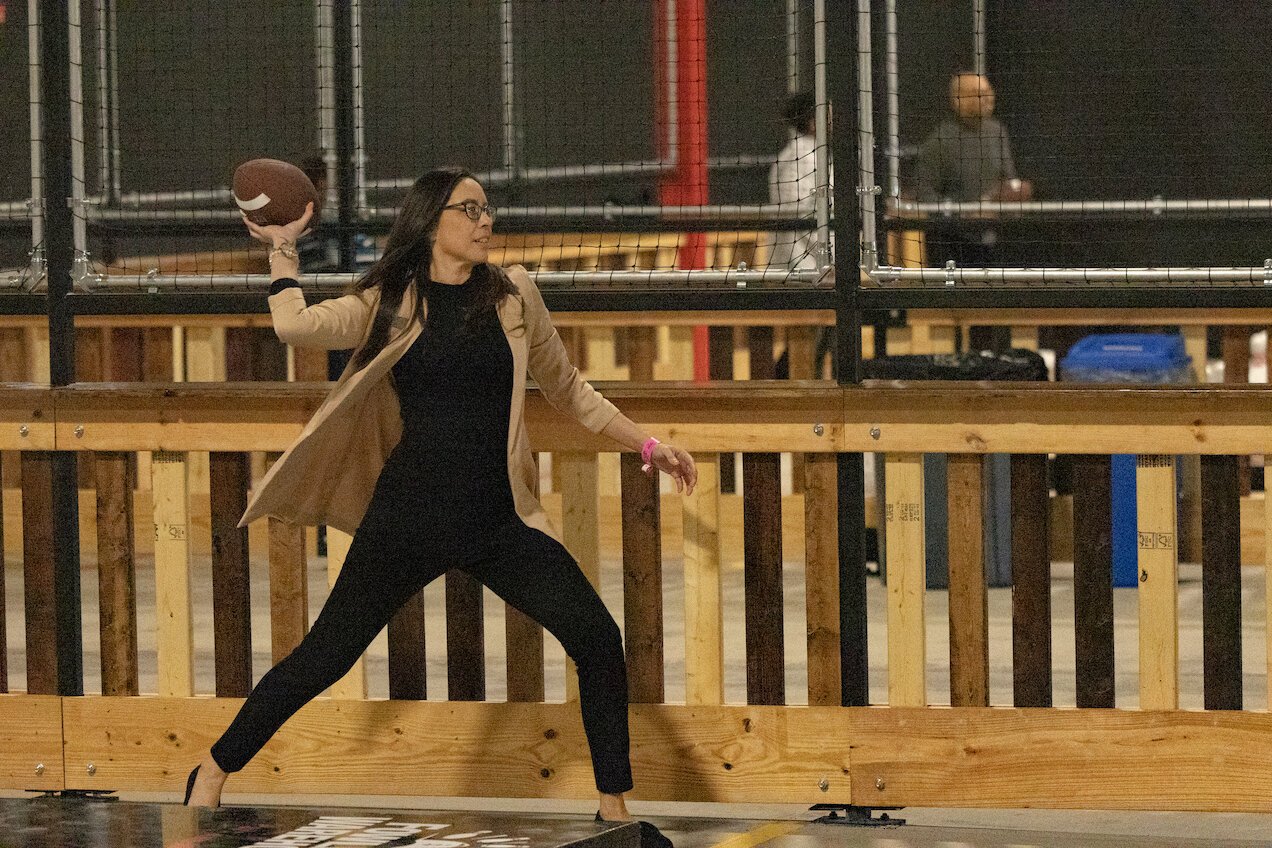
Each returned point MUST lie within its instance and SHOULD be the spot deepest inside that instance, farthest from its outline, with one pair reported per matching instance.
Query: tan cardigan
(329, 474)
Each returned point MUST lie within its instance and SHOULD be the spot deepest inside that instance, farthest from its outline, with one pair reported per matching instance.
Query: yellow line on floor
(759, 835)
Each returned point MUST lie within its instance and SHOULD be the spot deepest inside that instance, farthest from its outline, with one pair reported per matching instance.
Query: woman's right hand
(276, 234)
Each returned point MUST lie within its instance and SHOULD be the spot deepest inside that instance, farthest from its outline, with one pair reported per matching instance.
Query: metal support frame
(325, 78)
(952, 276)
(109, 176)
(507, 90)
(57, 54)
(866, 188)
(841, 34)
(344, 33)
(821, 148)
(359, 113)
(793, 82)
(1236, 207)
(891, 63)
(154, 283)
(79, 193)
(35, 206)
(978, 37)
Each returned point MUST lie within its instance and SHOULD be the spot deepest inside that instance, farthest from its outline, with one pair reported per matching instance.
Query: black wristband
(283, 283)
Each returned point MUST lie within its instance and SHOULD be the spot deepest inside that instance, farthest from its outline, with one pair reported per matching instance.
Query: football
(270, 191)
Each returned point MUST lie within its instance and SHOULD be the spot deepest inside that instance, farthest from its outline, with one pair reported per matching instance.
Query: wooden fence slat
(1031, 581)
(642, 582)
(288, 587)
(1093, 580)
(465, 638)
(353, 686)
(524, 637)
(116, 577)
(760, 343)
(13, 355)
(173, 604)
(1235, 345)
(229, 475)
(704, 622)
(720, 367)
(642, 350)
(156, 354)
(579, 480)
(523, 642)
(821, 577)
(38, 579)
(762, 576)
(1221, 582)
(969, 599)
(37, 349)
(1158, 535)
(1267, 579)
(800, 346)
(408, 660)
(907, 580)
(4, 636)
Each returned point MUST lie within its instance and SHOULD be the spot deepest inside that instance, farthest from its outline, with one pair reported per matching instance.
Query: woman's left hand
(679, 464)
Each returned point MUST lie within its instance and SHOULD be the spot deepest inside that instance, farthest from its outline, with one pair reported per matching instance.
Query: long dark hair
(408, 256)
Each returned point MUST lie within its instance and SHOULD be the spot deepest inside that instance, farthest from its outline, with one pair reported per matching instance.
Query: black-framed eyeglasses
(473, 209)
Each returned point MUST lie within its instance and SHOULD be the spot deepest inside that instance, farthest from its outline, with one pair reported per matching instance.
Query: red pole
(687, 184)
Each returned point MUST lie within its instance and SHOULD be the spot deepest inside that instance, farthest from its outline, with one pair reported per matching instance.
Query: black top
(455, 388)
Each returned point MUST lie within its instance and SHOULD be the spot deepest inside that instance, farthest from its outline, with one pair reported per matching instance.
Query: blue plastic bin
(1127, 358)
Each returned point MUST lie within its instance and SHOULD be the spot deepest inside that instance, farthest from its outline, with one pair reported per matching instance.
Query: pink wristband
(647, 449)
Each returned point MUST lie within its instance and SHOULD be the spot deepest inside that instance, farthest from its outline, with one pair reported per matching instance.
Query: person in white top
(793, 185)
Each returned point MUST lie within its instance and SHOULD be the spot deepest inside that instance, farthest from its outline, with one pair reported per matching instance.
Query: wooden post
(4, 654)
(39, 578)
(1031, 581)
(173, 606)
(641, 353)
(228, 479)
(465, 638)
(762, 574)
(1236, 369)
(580, 531)
(969, 601)
(907, 580)
(408, 661)
(1221, 582)
(760, 343)
(821, 577)
(720, 367)
(288, 587)
(704, 621)
(353, 686)
(116, 578)
(642, 582)
(1159, 582)
(1093, 580)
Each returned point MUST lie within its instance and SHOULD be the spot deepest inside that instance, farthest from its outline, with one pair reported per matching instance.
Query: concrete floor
(743, 826)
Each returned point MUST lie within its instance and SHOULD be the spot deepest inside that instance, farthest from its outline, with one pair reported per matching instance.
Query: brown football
(270, 191)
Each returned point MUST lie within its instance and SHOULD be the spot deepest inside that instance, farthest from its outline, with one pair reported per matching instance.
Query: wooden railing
(907, 750)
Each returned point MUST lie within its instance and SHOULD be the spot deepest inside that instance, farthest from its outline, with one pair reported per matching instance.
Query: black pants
(391, 558)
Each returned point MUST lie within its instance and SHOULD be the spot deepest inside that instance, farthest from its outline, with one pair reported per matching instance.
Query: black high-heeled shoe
(650, 836)
(190, 786)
